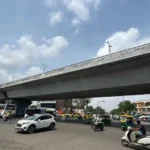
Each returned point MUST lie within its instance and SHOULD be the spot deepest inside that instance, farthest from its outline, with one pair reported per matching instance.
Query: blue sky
(62, 32)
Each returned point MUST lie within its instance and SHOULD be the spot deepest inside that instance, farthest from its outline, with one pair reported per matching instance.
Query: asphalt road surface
(67, 136)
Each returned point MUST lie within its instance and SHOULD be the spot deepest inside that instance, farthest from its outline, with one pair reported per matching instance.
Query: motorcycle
(93, 124)
(99, 126)
(143, 142)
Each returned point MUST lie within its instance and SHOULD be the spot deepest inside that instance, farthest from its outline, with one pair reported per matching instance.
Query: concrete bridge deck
(123, 73)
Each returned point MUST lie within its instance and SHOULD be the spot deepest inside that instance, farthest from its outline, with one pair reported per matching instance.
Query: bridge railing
(131, 52)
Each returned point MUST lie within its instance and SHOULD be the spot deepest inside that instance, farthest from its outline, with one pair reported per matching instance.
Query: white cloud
(30, 72)
(55, 18)
(122, 40)
(75, 22)
(51, 3)
(6, 77)
(26, 51)
(81, 8)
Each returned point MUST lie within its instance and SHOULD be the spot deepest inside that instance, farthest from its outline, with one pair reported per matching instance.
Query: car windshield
(32, 117)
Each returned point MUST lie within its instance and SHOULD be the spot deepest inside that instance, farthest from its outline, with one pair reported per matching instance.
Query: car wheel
(52, 126)
(31, 129)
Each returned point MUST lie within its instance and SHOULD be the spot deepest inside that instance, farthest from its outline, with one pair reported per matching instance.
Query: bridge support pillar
(21, 105)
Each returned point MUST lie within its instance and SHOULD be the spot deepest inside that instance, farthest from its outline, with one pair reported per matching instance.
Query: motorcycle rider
(130, 122)
(141, 128)
(98, 120)
(135, 132)
(93, 121)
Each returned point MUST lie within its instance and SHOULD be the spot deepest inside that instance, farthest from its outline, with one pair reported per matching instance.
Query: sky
(58, 33)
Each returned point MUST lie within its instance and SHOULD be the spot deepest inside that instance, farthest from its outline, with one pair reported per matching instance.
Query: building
(143, 106)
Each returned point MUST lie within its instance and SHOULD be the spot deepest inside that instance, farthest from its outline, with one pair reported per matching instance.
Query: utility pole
(98, 104)
(109, 47)
(44, 67)
(13, 79)
(123, 102)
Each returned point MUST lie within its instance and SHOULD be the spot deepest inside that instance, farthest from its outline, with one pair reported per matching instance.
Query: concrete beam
(128, 54)
(126, 78)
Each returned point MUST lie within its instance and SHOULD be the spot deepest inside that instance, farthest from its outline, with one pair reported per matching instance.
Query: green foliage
(97, 110)
(90, 109)
(114, 112)
(125, 106)
(81, 102)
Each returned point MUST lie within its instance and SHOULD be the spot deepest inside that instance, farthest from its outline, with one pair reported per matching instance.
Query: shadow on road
(39, 131)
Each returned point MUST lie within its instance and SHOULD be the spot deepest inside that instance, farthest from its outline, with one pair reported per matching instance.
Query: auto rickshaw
(106, 120)
(124, 121)
(88, 117)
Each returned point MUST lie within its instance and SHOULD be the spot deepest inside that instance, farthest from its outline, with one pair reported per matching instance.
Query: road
(67, 136)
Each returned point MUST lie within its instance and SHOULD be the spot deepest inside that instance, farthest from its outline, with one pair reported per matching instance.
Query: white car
(36, 122)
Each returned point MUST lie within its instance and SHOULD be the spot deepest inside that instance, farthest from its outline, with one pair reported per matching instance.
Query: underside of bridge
(131, 90)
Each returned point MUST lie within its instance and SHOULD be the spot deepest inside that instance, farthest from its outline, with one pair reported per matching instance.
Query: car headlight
(26, 123)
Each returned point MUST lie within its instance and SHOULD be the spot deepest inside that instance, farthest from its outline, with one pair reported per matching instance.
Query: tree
(89, 109)
(68, 103)
(125, 106)
(82, 102)
(99, 110)
(114, 112)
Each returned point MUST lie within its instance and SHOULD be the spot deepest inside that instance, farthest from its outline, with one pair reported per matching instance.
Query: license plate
(18, 129)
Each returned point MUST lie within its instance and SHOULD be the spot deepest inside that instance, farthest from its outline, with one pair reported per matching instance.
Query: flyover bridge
(122, 73)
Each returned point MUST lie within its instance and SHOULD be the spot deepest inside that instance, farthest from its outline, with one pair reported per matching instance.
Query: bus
(32, 111)
(50, 106)
(4, 108)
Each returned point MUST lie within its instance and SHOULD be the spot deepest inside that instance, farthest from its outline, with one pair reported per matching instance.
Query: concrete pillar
(21, 106)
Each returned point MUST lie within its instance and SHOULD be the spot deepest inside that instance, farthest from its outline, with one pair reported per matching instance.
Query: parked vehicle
(36, 122)
(143, 143)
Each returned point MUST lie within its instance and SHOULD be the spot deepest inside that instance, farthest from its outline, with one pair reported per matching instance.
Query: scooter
(99, 126)
(143, 143)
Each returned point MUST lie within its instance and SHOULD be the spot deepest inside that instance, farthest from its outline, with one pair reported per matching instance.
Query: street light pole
(13, 78)
(99, 106)
(123, 102)
(44, 67)
(109, 47)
